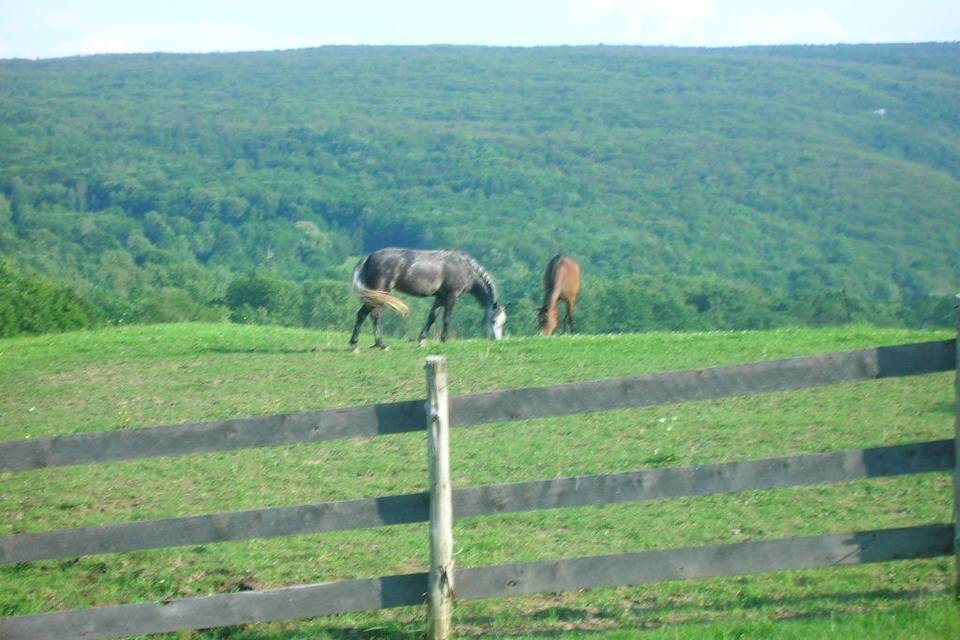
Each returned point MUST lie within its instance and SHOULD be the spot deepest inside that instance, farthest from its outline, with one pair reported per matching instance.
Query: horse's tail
(374, 298)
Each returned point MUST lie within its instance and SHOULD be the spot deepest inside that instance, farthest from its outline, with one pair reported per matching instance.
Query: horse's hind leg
(431, 318)
(568, 319)
(361, 316)
(377, 329)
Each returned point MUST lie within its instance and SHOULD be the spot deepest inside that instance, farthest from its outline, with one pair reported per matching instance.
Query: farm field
(166, 374)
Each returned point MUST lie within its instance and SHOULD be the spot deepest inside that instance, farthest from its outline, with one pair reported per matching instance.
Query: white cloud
(183, 37)
(98, 43)
(807, 27)
(642, 21)
(678, 10)
(705, 23)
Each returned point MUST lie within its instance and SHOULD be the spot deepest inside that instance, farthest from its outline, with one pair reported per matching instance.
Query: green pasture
(142, 376)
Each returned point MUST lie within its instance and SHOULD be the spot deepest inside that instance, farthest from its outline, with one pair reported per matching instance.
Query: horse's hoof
(422, 343)
(355, 349)
(383, 347)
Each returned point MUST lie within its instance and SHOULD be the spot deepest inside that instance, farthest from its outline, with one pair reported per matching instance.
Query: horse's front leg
(431, 318)
(361, 316)
(550, 321)
(447, 317)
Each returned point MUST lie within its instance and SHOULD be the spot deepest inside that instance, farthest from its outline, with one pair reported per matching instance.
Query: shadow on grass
(585, 622)
(339, 349)
(279, 350)
(387, 632)
(948, 408)
(595, 621)
(829, 599)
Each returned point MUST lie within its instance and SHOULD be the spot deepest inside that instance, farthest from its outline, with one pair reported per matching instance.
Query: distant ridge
(789, 169)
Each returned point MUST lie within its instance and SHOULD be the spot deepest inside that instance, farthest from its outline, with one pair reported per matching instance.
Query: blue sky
(47, 28)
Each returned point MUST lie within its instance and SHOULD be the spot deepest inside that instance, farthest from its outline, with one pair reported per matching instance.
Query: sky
(52, 29)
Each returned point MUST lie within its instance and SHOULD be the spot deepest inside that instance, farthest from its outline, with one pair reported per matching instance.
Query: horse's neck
(484, 292)
(552, 293)
(549, 299)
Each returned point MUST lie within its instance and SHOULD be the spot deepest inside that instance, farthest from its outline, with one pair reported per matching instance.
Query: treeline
(30, 304)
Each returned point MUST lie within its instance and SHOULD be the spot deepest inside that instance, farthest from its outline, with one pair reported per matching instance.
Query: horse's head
(541, 319)
(546, 321)
(494, 319)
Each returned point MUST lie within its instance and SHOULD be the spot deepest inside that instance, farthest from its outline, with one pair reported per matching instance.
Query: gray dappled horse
(446, 274)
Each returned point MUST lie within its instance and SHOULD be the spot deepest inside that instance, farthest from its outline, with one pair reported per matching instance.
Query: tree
(262, 298)
(175, 305)
(329, 304)
(31, 304)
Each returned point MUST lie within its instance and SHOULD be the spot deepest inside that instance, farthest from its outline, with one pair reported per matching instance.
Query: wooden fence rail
(477, 583)
(647, 484)
(484, 582)
(482, 408)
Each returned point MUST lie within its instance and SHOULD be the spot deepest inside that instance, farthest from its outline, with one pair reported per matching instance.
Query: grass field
(146, 376)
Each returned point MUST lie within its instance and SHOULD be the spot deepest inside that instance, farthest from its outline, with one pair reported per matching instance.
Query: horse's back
(420, 272)
(563, 272)
(382, 268)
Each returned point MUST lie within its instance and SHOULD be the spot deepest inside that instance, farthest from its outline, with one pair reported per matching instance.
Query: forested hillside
(724, 188)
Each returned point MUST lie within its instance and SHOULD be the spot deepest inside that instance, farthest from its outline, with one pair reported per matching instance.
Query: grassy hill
(768, 174)
(149, 375)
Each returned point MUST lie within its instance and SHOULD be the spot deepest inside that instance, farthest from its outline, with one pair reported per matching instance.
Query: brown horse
(562, 282)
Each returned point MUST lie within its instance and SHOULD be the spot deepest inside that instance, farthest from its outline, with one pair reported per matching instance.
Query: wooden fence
(303, 601)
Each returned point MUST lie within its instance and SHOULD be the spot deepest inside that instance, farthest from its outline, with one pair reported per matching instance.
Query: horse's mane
(482, 275)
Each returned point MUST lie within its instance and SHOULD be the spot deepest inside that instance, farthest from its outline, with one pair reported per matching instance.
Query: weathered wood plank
(517, 404)
(217, 435)
(648, 484)
(303, 601)
(704, 384)
(703, 562)
(702, 480)
(570, 574)
(204, 529)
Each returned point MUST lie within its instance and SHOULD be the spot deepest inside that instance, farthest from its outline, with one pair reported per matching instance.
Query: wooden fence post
(440, 582)
(956, 446)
